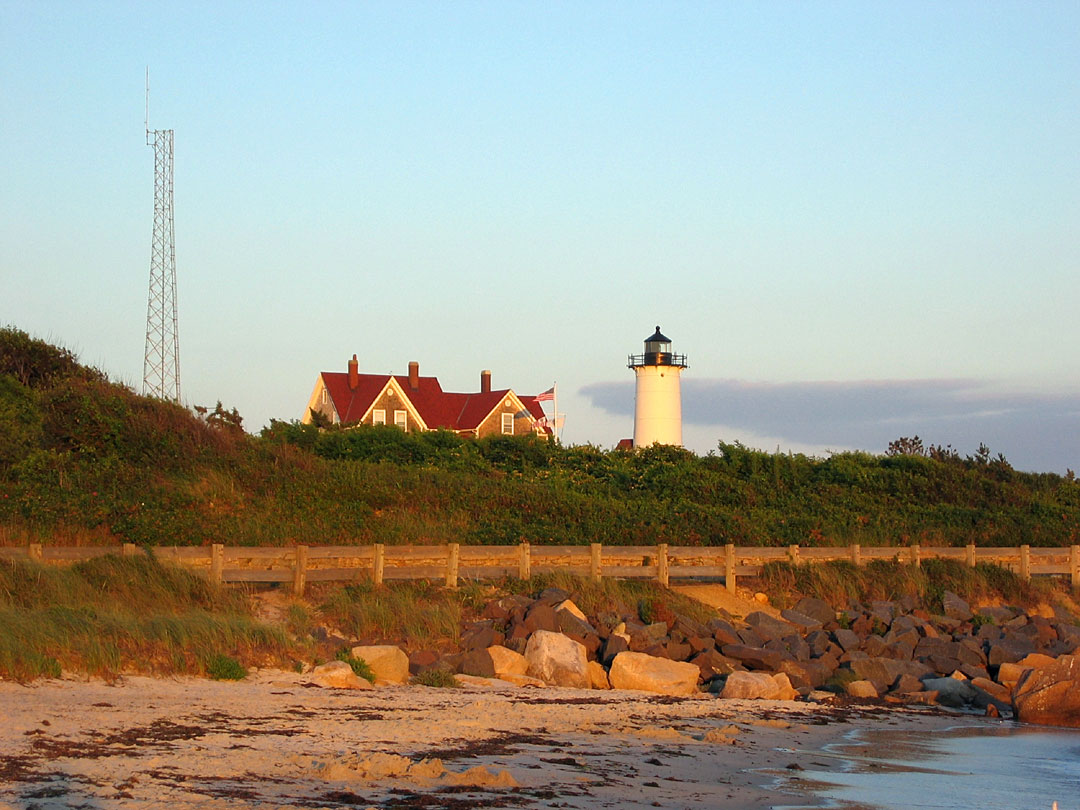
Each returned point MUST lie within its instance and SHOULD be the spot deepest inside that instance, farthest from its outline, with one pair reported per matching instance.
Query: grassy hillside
(86, 461)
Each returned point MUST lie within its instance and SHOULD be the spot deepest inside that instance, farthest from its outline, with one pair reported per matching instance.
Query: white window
(378, 417)
(508, 424)
(324, 396)
(401, 419)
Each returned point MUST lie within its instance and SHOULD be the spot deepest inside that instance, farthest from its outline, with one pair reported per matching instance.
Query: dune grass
(112, 615)
(840, 582)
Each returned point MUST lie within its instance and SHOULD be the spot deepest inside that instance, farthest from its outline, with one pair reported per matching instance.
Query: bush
(437, 678)
(359, 665)
(225, 668)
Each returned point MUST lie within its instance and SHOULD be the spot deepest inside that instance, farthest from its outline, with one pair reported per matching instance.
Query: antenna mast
(161, 362)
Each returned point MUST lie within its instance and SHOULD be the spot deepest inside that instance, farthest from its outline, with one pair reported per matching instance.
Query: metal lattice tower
(161, 363)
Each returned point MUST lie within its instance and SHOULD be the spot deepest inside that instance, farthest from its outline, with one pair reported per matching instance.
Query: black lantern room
(657, 353)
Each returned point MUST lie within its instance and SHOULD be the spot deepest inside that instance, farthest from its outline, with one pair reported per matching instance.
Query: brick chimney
(354, 376)
(414, 375)
(485, 382)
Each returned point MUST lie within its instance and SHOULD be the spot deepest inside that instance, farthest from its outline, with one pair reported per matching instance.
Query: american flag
(547, 396)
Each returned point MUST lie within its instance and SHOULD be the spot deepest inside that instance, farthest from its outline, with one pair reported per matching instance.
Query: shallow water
(1004, 767)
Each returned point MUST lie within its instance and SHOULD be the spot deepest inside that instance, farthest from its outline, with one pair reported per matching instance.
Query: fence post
(524, 561)
(453, 551)
(217, 562)
(793, 554)
(971, 555)
(729, 567)
(916, 555)
(1025, 562)
(662, 564)
(1074, 566)
(300, 571)
(130, 550)
(856, 554)
(35, 552)
(594, 560)
(378, 564)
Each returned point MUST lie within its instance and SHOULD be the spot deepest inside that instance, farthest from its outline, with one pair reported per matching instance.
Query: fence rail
(452, 562)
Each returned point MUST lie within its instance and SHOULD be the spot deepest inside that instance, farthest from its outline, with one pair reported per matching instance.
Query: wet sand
(273, 741)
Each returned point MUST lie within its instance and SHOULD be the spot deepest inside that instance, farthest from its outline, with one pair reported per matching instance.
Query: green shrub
(438, 678)
(225, 668)
(359, 665)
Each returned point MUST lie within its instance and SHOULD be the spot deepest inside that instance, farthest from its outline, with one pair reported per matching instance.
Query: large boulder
(507, 662)
(388, 663)
(557, 660)
(1050, 696)
(757, 686)
(338, 675)
(630, 670)
(598, 676)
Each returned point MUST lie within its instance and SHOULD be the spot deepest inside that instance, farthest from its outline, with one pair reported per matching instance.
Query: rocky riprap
(895, 651)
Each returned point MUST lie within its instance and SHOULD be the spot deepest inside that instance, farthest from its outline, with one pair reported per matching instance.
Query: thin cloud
(1034, 431)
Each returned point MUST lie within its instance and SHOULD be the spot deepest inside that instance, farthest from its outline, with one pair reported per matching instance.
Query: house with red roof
(415, 403)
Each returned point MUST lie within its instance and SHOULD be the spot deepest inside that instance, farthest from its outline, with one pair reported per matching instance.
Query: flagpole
(555, 405)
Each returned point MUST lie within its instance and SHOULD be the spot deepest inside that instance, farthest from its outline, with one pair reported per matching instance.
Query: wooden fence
(450, 563)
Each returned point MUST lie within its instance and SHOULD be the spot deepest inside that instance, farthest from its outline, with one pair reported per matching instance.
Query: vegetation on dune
(87, 461)
(115, 614)
(840, 583)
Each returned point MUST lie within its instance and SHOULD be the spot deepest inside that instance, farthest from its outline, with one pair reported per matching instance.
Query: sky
(859, 221)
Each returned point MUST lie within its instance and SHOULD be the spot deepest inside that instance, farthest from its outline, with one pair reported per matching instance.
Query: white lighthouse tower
(657, 399)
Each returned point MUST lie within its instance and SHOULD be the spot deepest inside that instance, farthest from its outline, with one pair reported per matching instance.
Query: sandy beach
(274, 741)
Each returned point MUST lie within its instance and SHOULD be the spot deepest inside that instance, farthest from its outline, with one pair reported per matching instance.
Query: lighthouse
(657, 400)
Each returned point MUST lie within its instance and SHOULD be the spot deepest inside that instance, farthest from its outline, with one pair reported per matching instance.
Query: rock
(711, 663)
(572, 625)
(1050, 696)
(557, 660)
(630, 670)
(862, 689)
(701, 643)
(571, 608)
(955, 607)
(1010, 650)
(1009, 674)
(422, 660)
(541, 616)
(507, 662)
(387, 662)
(753, 657)
(952, 692)
(338, 675)
(677, 652)
(847, 639)
(816, 609)
(723, 632)
(615, 644)
(598, 677)
(769, 627)
(552, 596)
(806, 624)
(750, 686)
(521, 680)
(478, 663)
(482, 638)
(1036, 661)
(991, 694)
(884, 672)
(785, 691)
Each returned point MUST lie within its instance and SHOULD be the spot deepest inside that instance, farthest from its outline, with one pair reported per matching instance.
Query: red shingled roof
(438, 408)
